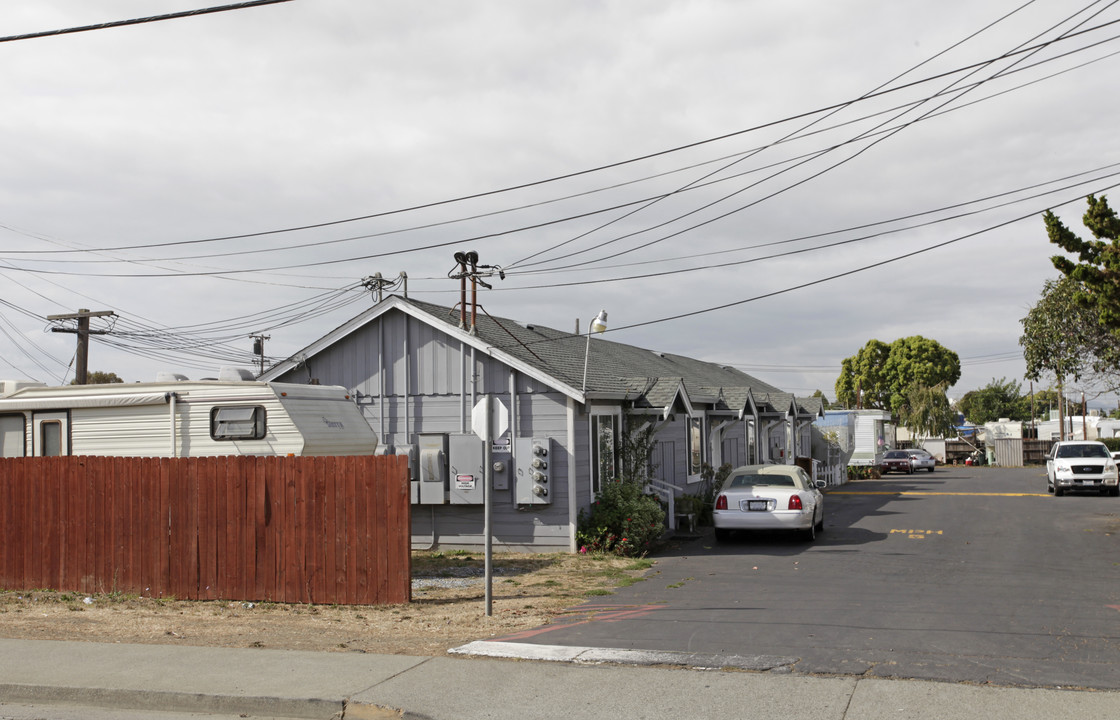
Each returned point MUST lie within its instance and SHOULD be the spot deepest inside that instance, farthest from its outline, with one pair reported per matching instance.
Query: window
(51, 438)
(12, 434)
(604, 450)
(695, 447)
(237, 423)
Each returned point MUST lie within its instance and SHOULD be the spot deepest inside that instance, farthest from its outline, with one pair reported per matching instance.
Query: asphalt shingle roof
(615, 368)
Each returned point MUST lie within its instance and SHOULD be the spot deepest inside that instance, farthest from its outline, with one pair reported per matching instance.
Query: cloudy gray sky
(759, 183)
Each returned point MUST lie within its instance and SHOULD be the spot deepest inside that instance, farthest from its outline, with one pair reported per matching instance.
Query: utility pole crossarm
(83, 332)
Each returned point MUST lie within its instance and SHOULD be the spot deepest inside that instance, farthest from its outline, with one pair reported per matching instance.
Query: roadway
(964, 575)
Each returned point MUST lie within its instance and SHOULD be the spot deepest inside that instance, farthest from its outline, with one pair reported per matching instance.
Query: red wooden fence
(283, 529)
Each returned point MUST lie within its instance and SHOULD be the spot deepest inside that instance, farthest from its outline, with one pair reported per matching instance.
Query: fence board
(324, 530)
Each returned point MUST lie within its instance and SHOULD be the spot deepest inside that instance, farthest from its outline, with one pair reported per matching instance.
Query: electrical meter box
(533, 475)
(466, 475)
(432, 485)
(500, 455)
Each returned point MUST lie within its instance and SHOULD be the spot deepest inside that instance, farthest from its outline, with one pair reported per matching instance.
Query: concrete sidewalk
(276, 683)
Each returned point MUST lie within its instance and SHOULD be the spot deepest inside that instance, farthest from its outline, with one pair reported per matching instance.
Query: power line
(608, 166)
(138, 21)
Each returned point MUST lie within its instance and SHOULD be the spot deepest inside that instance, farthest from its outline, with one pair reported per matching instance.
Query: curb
(618, 656)
(311, 708)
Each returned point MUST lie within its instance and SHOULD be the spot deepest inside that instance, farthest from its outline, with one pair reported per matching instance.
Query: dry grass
(447, 610)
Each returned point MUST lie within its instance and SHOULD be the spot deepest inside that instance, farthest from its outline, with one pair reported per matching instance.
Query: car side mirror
(820, 484)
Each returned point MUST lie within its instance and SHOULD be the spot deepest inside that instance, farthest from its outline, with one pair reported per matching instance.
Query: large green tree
(998, 399)
(926, 411)
(880, 375)
(1097, 269)
(1063, 338)
(861, 381)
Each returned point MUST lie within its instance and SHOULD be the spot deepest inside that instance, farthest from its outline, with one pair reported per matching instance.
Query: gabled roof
(614, 370)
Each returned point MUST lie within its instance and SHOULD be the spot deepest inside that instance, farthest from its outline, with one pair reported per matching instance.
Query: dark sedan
(896, 461)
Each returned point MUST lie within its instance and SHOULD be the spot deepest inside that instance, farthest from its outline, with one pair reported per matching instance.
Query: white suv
(1081, 465)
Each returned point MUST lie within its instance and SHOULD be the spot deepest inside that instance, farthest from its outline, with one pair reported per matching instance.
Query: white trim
(573, 495)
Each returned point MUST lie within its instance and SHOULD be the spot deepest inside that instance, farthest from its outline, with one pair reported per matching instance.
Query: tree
(99, 377)
(998, 399)
(1044, 401)
(824, 399)
(861, 382)
(880, 375)
(1064, 338)
(1098, 273)
(926, 411)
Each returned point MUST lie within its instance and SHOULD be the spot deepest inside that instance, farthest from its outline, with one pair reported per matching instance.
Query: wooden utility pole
(81, 360)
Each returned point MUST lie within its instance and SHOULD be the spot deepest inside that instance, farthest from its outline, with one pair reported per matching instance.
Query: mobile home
(181, 418)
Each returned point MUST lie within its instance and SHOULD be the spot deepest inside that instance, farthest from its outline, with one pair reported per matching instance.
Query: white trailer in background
(874, 435)
(181, 418)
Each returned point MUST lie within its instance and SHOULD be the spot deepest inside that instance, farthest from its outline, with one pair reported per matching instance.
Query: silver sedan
(769, 497)
(921, 460)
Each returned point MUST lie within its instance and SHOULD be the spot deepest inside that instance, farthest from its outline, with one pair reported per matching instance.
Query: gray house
(417, 372)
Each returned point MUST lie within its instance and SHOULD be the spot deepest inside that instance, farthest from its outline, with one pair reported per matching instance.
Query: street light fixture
(599, 324)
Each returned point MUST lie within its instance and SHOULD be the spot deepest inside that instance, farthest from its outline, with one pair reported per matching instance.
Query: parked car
(769, 497)
(921, 460)
(896, 461)
(1081, 465)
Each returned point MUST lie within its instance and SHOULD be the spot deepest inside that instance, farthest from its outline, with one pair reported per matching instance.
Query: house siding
(410, 378)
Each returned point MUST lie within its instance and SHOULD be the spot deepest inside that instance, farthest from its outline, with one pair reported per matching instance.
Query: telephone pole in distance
(82, 358)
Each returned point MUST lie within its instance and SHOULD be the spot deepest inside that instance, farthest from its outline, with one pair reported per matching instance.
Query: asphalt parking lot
(968, 574)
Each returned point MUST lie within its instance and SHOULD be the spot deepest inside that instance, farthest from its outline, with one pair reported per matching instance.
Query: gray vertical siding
(432, 362)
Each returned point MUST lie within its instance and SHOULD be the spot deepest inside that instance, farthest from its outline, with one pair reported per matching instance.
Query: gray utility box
(433, 469)
(533, 476)
(466, 477)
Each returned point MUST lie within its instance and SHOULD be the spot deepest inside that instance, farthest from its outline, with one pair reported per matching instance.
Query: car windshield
(1083, 451)
(750, 480)
(897, 454)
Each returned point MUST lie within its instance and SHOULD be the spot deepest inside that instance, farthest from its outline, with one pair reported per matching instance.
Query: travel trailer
(176, 417)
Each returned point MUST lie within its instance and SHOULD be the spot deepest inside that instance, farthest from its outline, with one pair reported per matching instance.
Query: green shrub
(1113, 443)
(623, 521)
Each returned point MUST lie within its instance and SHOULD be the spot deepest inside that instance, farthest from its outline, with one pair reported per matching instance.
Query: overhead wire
(788, 136)
(599, 168)
(139, 21)
(858, 152)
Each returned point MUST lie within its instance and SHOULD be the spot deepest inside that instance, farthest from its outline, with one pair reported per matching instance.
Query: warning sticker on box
(464, 482)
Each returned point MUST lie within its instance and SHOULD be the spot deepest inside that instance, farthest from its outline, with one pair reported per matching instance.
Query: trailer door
(50, 434)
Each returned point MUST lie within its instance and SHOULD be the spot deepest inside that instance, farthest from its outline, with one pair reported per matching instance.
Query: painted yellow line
(913, 492)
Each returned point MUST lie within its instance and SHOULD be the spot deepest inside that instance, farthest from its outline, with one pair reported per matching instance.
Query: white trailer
(874, 435)
(181, 419)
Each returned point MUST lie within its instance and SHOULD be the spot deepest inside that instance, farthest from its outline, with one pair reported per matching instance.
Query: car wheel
(910, 471)
(1058, 491)
(810, 533)
(722, 534)
(1114, 492)
(930, 469)
(820, 523)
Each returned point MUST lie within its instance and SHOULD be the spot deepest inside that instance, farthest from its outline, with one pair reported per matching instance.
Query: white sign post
(483, 421)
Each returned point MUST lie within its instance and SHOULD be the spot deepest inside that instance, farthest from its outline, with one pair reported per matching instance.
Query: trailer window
(237, 423)
(51, 434)
(12, 436)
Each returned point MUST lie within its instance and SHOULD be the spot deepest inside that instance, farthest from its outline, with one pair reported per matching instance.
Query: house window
(604, 450)
(695, 447)
(237, 423)
(12, 443)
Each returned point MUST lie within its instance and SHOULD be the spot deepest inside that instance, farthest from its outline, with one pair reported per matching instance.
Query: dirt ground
(447, 609)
